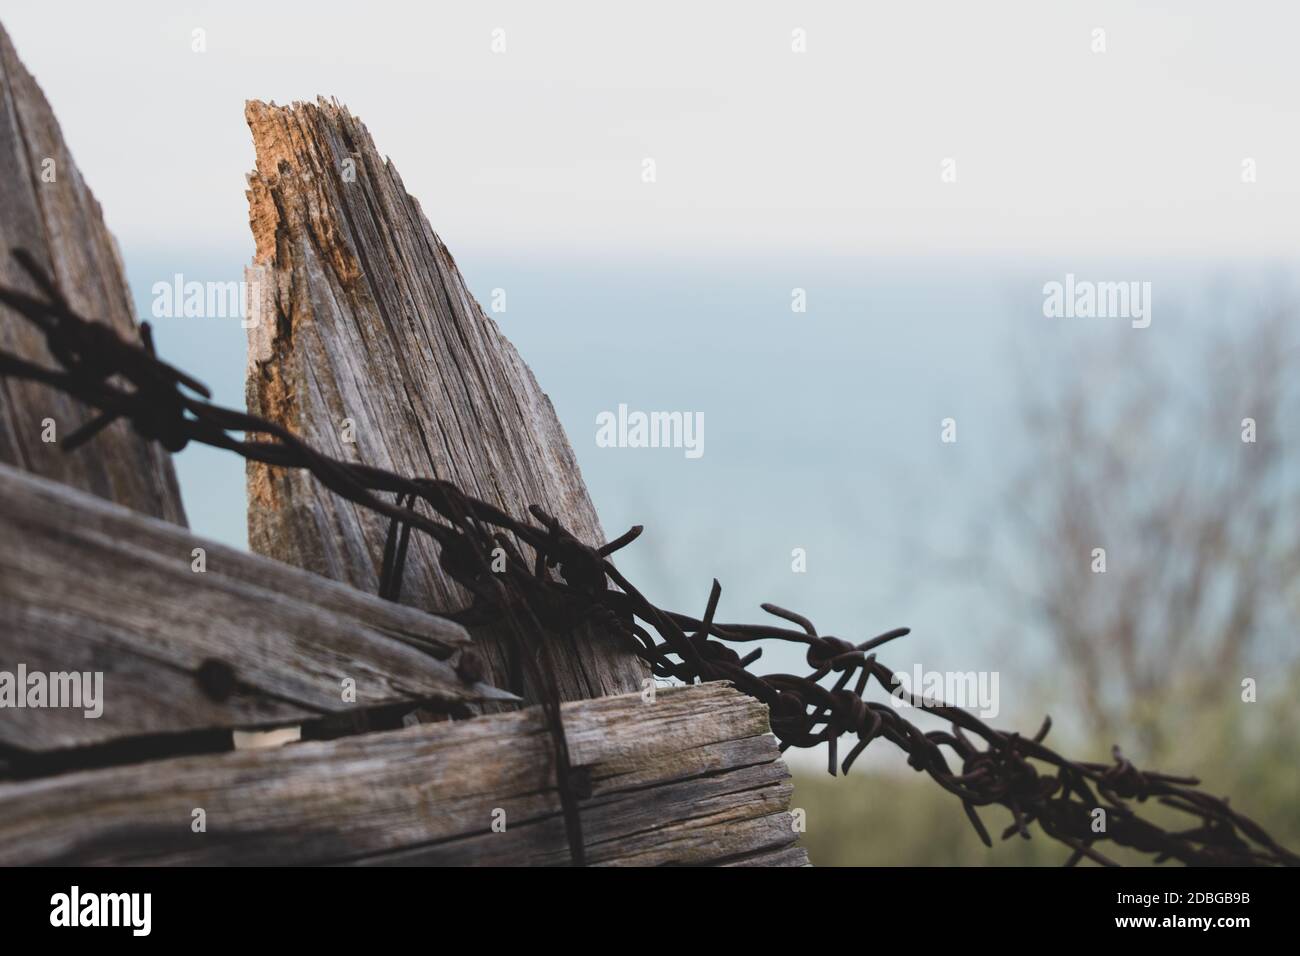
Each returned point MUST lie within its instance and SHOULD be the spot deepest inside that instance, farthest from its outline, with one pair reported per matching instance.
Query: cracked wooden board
(692, 777)
(88, 586)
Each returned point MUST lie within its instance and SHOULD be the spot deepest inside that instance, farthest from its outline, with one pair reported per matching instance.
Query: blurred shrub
(1250, 752)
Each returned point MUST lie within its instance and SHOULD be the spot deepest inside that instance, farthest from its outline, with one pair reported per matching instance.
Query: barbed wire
(567, 583)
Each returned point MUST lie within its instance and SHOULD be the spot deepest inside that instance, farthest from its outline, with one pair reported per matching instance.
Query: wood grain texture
(690, 778)
(60, 224)
(86, 585)
(364, 317)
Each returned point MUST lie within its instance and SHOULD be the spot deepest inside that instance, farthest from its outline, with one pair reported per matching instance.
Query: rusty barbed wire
(567, 583)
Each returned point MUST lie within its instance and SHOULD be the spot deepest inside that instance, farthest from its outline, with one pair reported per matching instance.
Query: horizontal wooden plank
(87, 586)
(692, 777)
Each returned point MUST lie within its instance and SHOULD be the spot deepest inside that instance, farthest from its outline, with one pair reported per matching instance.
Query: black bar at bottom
(821, 906)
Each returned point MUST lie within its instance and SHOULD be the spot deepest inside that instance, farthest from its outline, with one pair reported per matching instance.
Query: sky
(774, 170)
(758, 149)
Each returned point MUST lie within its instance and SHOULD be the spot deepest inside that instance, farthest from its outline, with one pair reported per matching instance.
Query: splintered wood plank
(692, 777)
(88, 586)
(365, 320)
(47, 209)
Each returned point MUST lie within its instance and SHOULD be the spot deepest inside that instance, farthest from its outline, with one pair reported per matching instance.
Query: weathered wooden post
(369, 345)
(47, 209)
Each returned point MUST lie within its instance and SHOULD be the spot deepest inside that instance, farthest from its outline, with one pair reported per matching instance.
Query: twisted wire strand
(568, 583)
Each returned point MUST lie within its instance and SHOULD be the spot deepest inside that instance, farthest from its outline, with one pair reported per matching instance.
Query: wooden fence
(370, 346)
